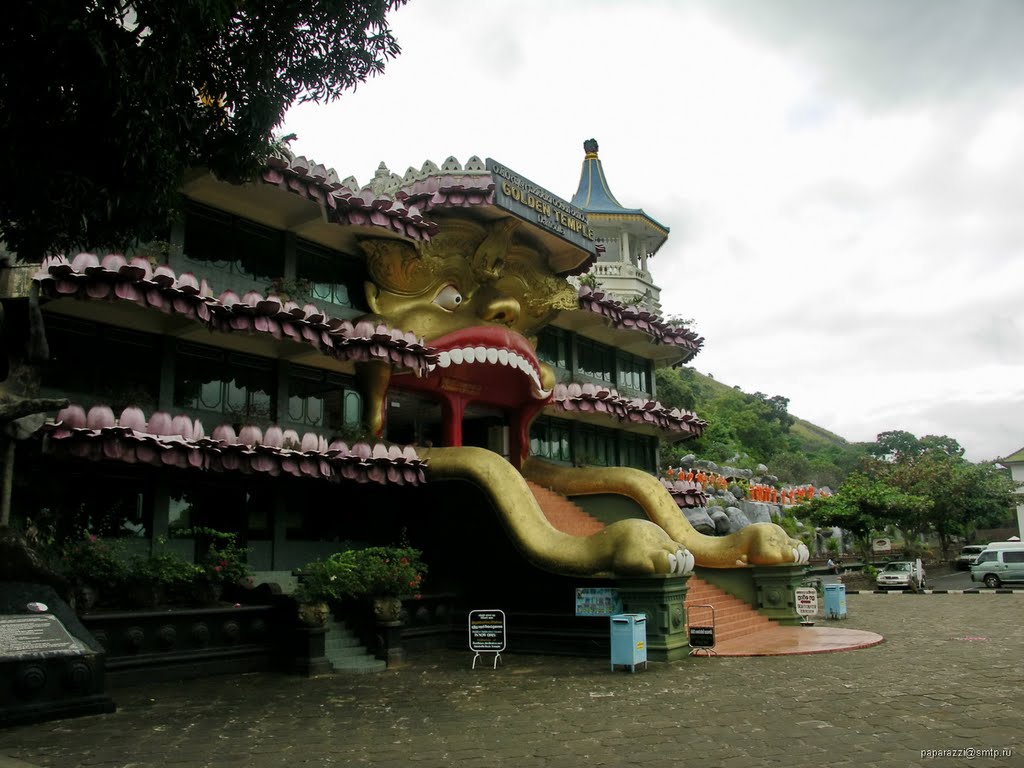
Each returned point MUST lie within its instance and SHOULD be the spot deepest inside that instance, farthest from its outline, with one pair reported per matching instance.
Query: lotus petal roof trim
(180, 441)
(622, 316)
(135, 280)
(687, 494)
(592, 398)
(390, 201)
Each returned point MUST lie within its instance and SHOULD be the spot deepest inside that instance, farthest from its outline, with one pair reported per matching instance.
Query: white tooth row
(489, 355)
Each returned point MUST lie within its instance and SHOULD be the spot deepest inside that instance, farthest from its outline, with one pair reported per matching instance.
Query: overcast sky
(844, 180)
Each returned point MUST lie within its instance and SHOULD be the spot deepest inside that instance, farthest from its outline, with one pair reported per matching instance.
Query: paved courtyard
(948, 677)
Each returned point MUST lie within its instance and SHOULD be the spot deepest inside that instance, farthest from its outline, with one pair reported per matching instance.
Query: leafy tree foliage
(963, 496)
(863, 506)
(105, 104)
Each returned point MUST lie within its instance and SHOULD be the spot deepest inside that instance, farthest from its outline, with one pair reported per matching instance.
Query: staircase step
(346, 653)
(733, 617)
(344, 641)
(563, 514)
(362, 668)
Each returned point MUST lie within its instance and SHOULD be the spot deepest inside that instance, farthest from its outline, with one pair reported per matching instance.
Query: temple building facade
(312, 363)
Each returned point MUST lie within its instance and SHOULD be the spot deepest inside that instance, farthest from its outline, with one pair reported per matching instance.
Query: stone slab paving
(948, 677)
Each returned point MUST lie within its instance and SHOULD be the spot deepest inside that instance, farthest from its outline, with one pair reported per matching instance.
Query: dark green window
(596, 447)
(637, 451)
(220, 242)
(92, 364)
(322, 400)
(551, 440)
(634, 373)
(229, 384)
(595, 360)
(328, 276)
(552, 347)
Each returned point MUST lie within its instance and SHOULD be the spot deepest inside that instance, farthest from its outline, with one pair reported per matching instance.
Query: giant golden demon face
(471, 292)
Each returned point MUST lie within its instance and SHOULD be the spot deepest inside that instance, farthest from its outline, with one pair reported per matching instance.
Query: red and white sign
(806, 601)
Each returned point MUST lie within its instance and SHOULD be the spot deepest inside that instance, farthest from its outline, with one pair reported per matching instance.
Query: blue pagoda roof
(595, 196)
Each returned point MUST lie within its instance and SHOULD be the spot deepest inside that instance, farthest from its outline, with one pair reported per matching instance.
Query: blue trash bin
(835, 601)
(629, 640)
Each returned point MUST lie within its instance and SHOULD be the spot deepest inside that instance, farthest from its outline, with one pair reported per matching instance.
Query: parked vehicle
(901, 574)
(968, 555)
(1001, 561)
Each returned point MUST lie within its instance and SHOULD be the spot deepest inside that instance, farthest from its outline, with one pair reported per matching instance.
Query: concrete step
(346, 653)
(733, 617)
(370, 666)
(345, 641)
(563, 514)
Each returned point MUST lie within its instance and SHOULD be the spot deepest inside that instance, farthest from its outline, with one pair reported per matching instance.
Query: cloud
(842, 180)
(883, 53)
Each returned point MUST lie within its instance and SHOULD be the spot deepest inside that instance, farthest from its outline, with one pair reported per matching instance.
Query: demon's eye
(449, 298)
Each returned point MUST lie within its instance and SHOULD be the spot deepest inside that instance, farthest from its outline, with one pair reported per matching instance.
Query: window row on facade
(580, 359)
(232, 252)
(92, 363)
(570, 442)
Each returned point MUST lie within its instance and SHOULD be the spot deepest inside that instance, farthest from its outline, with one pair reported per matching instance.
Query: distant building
(1015, 461)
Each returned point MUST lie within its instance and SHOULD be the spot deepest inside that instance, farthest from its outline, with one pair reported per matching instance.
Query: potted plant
(381, 574)
(225, 562)
(165, 573)
(295, 289)
(93, 566)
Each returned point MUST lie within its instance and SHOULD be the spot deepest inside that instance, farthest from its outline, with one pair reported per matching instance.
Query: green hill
(747, 429)
(812, 434)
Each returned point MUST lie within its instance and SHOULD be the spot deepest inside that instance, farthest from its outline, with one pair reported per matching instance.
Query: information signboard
(702, 637)
(34, 635)
(806, 601)
(597, 601)
(487, 631)
(487, 634)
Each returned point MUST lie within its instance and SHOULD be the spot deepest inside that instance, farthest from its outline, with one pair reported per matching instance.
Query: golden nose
(501, 309)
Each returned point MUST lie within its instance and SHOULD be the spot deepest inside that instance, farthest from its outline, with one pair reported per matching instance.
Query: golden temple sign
(531, 202)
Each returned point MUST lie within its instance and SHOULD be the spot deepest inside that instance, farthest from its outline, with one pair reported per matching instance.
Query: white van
(1001, 561)
(968, 555)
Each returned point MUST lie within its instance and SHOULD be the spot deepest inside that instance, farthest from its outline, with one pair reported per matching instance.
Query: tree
(106, 104)
(863, 506)
(962, 495)
(898, 446)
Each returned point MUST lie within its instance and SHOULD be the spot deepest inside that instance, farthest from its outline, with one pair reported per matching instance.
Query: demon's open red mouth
(491, 345)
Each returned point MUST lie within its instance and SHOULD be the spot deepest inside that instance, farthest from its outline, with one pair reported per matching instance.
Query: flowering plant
(163, 569)
(225, 562)
(93, 561)
(370, 572)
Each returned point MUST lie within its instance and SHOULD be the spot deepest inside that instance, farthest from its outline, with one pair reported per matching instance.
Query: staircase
(733, 617)
(563, 514)
(346, 653)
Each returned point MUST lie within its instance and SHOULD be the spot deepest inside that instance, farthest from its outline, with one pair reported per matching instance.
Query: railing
(616, 272)
(619, 269)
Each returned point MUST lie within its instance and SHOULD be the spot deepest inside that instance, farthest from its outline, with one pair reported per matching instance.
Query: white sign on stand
(806, 601)
(487, 634)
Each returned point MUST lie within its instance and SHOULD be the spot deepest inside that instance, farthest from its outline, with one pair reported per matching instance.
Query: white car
(901, 574)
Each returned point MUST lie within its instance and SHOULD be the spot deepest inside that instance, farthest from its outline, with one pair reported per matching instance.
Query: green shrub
(370, 572)
(95, 562)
